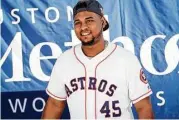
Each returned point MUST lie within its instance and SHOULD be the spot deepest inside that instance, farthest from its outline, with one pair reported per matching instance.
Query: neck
(95, 49)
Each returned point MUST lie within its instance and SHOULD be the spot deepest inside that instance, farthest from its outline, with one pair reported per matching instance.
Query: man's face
(88, 27)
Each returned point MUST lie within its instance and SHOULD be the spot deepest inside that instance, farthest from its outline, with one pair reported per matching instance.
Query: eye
(89, 21)
(76, 23)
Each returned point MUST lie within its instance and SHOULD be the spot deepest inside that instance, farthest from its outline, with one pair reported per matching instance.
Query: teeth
(85, 34)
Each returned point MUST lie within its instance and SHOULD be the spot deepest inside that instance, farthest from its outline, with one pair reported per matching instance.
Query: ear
(103, 22)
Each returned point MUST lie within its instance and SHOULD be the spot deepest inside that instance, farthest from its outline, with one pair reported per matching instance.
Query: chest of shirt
(106, 78)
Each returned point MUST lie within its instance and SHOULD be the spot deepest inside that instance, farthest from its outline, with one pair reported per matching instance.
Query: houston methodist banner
(35, 32)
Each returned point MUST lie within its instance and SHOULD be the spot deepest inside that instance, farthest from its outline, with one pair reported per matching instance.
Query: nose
(84, 26)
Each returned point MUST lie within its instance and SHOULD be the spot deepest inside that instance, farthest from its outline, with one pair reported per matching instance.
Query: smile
(85, 33)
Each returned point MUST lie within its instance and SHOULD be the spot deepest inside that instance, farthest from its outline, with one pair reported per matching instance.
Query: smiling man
(99, 80)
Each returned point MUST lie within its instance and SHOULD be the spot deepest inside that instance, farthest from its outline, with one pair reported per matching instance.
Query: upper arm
(138, 85)
(53, 108)
(56, 85)
(142, 103)
(144, 108)
(56, 91)
(139, 89)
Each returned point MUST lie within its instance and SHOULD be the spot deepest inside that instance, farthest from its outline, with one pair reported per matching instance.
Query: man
(98, 79)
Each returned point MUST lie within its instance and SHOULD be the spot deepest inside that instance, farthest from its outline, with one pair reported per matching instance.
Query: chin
(86, 40)
(88, 43)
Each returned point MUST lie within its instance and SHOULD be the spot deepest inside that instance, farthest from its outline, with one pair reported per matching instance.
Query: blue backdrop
(35, 32)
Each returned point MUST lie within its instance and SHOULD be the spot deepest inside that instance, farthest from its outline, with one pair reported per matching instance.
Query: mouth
(85, 33)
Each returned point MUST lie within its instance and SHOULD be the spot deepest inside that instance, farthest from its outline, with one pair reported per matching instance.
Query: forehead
(86, 14)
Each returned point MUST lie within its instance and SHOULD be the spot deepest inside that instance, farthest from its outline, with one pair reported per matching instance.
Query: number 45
(105, 109)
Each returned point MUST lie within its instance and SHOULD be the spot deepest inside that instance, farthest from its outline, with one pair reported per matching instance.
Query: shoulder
(123, 53)
(129, 59)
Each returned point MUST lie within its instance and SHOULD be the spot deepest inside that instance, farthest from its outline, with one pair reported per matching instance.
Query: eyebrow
(89, 18)
(85, 18)
(77, 20)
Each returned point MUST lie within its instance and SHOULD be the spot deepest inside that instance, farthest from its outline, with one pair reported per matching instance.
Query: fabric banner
(35, 32)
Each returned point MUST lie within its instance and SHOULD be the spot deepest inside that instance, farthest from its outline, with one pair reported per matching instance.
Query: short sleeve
(56, 86)
(138, 85)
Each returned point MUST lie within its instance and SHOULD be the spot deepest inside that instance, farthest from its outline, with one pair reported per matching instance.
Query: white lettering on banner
(47, 14)
(34, 104)
(18, 103)
(171, 54)
(32, 10)
(22, 104)
(32, 14)
(127, 43)
(69, 13)
(16, 16)
(34, 60)
(160, 98)
(1, 16)
(17, 62)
